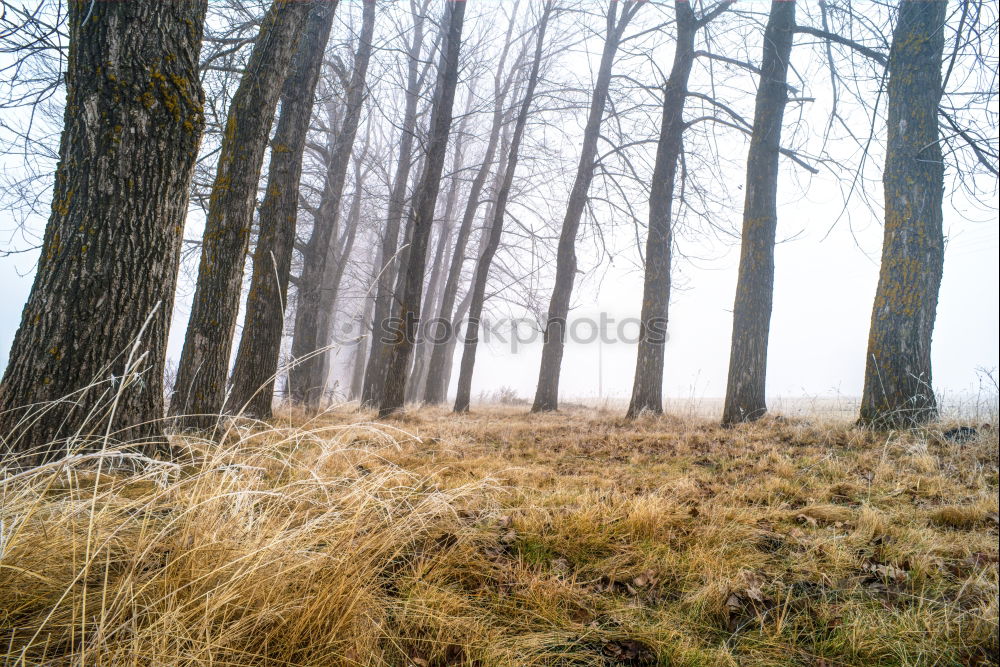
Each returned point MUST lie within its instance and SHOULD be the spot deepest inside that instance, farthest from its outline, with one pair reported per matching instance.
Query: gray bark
(897, 390)
(745, 399)
(436, 390)
(404, 329)
(307, 375)
(203, 369)
(88, 357)
(477, 293)
(375, 368)
(547, 392)
(252, 383)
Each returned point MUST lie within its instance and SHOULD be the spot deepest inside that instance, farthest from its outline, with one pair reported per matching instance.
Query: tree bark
(252, 384)
(308, 371)
(202, 372)
(437, 389)
(88, 357)
(372, 387)
(647, 387)
(547, 391)
(478, 290)
(745, 400)
(898, 390)
(404, 329)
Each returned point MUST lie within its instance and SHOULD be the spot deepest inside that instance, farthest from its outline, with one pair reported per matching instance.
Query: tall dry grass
(508, 539)
(276, 545)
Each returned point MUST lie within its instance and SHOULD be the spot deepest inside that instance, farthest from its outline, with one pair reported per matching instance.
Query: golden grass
(507, 539)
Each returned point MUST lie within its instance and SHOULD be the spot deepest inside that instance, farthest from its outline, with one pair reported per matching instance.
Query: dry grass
(500, 538)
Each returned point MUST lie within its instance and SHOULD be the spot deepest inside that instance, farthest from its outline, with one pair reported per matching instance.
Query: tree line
(381, 178)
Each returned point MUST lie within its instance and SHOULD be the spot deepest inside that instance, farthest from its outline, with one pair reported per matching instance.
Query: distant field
(502, 538)
(966, 406)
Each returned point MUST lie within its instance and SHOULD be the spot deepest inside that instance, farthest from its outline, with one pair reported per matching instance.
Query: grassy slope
(506, 539)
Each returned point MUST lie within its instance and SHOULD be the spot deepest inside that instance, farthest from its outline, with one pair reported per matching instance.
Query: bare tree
(547, 392)
(436, 390)
(89, 355)
(404, 330)
(202, 372)
(647, 388)
(308, 372)
(897, 390)
(375, 368)
(252, 382)
(495, 232)
(745, 399)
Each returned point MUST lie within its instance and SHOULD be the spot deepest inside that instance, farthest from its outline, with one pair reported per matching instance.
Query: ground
(503, 538)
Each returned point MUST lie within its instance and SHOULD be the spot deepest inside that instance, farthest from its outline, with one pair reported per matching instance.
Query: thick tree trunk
(423, 209)
(898, 390)
(745, 399)
(373, 385)
(88, 356)
(308, 372)
(547, 391)
(436, 390)
(477, 293)
(204, 364)
(252, 383)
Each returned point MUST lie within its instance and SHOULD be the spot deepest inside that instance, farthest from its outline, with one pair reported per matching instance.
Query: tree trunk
(461, 312)
(308, 371)
(335, 268)
(373, 385)
(362, 345)
(478, 290)
(418, 378)
(436, 390)
(647, 387)
(423, 211)
(88, 357)
(547, 392)
(204, 364)
(898, 390)
(252, 384)
(745, 399)
(418, 375)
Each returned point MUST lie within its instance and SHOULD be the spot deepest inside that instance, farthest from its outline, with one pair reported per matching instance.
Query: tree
(436, 390)
(88, 357)
(647, 388)
(252, 383)
(307, 376)
(478, 290)
(201, 375)
(547, 392)
(404, 329)
(432, 304)
(372, 387)
(745, 399)
(897, 389)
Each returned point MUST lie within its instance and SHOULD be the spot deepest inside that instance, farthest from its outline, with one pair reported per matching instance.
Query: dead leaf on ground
(629, 652)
